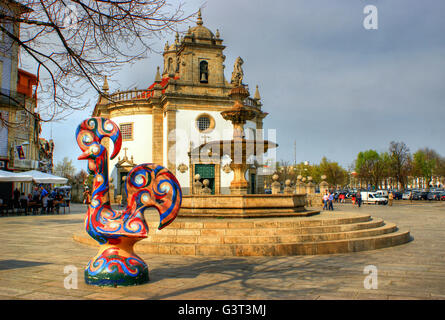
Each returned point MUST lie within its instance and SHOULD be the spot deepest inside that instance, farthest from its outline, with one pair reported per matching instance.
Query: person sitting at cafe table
(24, 202)
(58, 201)
(36, 194)
(45, 203)
(51, 198)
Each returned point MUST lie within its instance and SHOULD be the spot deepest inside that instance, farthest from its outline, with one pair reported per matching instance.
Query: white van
(382, 193)
(373, 198)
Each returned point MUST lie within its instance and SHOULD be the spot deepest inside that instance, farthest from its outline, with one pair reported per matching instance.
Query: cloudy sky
(329, 85)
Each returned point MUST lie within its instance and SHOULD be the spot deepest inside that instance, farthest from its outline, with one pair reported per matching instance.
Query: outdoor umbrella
(8, 176)
(42, 177)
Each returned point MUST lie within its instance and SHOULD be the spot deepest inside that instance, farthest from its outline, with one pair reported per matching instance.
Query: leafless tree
(73, 44)
(400, 162)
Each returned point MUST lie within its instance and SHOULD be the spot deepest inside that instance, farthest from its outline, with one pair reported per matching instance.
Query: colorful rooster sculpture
(147, 185)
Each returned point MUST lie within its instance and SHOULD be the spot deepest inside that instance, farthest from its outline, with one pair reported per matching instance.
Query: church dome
(200, 31)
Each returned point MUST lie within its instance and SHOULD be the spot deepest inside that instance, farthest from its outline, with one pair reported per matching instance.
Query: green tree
(425, 163)
(371, 167)
(335, 174)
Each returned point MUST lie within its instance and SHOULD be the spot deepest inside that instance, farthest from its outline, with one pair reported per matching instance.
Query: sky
(330, 86)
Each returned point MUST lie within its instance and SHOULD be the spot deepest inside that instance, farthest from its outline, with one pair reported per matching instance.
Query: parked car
(420, 195)
(442, 196)
(268, 191)
(406, 195)
(433, 195)
(397, 195)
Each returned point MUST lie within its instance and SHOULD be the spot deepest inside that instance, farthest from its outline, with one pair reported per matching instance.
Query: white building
(178, 112)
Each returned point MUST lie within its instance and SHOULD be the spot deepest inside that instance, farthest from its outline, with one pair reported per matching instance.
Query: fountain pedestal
(239, 184)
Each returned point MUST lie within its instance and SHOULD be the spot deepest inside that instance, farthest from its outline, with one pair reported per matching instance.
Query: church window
(203, 72)
(170, 65)
(203, 123)
(126, 131)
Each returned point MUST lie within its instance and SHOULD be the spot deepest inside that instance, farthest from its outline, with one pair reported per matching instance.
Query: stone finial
(206, 189)
(199, 21)
(197, 185)
(288, 188)
(177, 38)
(105, 86)
(276, 186)
(189, 31)
(158, 76)
(257, 94)
(217, 35)
(166, 47)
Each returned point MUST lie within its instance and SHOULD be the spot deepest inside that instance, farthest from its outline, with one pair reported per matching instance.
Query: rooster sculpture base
(147, 186)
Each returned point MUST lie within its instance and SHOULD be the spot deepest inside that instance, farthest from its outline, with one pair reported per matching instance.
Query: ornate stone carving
(227, 168)
(183, 168)
(237, 74)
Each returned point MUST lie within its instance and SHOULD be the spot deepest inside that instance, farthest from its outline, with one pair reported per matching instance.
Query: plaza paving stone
(36, 249)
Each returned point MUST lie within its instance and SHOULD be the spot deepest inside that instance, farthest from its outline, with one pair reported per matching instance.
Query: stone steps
(270, 237)
(285, 229)
(289, 238)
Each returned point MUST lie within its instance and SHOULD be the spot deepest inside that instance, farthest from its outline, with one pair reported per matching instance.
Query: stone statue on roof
(237, 74)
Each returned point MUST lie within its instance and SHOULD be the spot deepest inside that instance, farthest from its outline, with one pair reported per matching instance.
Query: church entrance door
(206, 171)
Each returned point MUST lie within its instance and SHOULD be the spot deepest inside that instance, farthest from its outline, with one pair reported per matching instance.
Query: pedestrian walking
(87, 197)
(359, 199)
(331, 200)
(325, 201)
(390, 198)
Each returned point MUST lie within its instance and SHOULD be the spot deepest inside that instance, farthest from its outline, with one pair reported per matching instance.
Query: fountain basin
(244, 206)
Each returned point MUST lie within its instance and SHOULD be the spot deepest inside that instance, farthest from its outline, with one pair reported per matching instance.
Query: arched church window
(203, 72)
(170, 65)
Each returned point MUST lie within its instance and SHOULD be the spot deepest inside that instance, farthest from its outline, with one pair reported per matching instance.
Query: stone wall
(314, 200)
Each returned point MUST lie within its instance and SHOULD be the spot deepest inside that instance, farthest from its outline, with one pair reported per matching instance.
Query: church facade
(179, 112)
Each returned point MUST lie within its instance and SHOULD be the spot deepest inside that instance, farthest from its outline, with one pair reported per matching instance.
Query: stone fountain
(240, 204)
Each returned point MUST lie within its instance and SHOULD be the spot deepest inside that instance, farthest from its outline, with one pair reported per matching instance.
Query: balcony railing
(26, 164)
(136, 94)
(143, 94)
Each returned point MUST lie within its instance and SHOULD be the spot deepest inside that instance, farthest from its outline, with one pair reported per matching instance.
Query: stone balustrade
(129, 95)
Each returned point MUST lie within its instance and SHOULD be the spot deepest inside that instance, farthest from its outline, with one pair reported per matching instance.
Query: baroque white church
(180, 111)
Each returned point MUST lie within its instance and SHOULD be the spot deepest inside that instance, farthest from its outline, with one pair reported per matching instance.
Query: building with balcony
(19, 121)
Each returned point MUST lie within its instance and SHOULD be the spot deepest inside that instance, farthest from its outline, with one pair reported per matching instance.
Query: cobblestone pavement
(36, 250)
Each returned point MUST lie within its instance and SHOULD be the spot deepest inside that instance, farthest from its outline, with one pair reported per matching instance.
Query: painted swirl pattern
(147, 185)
